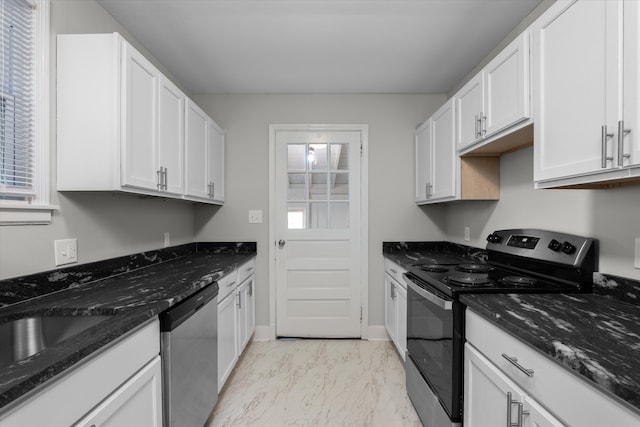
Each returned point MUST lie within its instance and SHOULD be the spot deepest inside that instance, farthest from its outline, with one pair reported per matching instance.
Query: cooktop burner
(469, 280)
(434, 268)
(518, 281)
(474, 268)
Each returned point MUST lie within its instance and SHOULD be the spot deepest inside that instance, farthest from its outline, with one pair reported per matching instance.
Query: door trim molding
(364, 214)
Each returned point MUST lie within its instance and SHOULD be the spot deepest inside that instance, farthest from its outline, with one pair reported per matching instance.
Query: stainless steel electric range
(518, 261)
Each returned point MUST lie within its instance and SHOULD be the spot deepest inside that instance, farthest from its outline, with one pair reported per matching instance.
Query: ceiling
(319, 46)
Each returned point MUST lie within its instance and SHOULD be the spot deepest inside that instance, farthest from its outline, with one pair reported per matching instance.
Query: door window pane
(340, 186)
(339, 157)
(339, 215)
(317, 156)
(297, 216)
(319, 215)
(296, 157)
(297, 187)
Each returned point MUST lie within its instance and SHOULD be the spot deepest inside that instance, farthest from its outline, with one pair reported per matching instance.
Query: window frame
(37, 210)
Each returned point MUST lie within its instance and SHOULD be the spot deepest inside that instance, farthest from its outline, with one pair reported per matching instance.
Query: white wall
(392, 213)
(612, 216)
(105, 225)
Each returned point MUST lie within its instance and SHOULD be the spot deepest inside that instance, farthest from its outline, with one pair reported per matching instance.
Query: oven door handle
(435, 299)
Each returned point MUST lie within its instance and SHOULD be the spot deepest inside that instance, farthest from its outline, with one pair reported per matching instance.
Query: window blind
(17, 77)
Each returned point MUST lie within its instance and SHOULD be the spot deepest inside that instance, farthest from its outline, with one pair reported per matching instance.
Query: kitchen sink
(25, 337)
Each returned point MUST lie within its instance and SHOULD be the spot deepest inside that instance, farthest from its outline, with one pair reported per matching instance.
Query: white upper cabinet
(121, 125)
(436, 160)
(469, 106)
(171, 136)
(139, 115)
(204, 147)
(423, 160)
(496, 98)
(445, 162)
(586, 93)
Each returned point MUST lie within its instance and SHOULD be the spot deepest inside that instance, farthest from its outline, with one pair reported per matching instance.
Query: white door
(317, 228)
(196, 151)
(631, 72)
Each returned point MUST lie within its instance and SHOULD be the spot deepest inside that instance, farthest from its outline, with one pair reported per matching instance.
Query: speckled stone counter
(407, 254)
(596, 336)
(132, 289)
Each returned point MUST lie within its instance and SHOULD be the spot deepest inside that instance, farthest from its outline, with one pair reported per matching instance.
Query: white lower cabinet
(119, 387)
(236, 318)
(492, 399)
(135, 403)
(550, 395)
(395, 305)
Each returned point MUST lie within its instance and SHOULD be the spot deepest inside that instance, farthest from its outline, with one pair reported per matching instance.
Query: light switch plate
(65, 251)
(255, 217)
(636, 258)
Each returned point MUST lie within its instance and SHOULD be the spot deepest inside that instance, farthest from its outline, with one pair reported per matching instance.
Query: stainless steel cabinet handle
(231, 284)
(239, 302)
(483, 126)
(428, 189)
(604, 137)
(477, 122)
(164, 179)
(393, 291)
(621, 134)
(251, 288)
(509, 403)
(159, 178)
(521, 412)
(393, 271)
(213, 190)
(514, 362)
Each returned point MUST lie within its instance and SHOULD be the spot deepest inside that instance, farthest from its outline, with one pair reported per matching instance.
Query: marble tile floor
(316, 383)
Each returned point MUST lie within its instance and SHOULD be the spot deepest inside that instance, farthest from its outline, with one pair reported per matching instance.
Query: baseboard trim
(264, 333)
(377, 333)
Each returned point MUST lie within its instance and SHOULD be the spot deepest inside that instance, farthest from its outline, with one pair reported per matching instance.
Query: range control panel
(541, 245)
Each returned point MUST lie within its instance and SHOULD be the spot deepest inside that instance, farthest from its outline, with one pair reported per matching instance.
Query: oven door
(435, 339)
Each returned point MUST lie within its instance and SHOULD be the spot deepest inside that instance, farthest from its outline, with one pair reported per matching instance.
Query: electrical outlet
(636, 263)
(167, 239)
(467, 233)
(255, 217)
(65, 251)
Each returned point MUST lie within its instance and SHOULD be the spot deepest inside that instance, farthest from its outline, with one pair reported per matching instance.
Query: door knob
(281, 243)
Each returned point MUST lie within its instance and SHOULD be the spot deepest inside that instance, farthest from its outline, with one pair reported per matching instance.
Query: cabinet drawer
(227, 284)
(395, 271)
(246, 270)
(557, 388)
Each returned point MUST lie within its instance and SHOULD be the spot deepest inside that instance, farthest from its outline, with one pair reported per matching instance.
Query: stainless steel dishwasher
(189, 337)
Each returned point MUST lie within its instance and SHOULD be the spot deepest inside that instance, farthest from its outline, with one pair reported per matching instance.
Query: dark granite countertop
(407, 254)
(131, 289)
(596, 336)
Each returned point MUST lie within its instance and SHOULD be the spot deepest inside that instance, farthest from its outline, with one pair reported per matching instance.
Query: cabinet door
(216, 161)
(423, 165)
(171, 136)
(537, 416)
(486, 393)
(138, 402)
(506, 87)
(250, 308)
(631, 73)
(227, 333)
(444, 158)
(139, 117)
(390, 315)
(196, 152)
(401, 316)
(241, 317)
(575, 48)
(469, 112)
